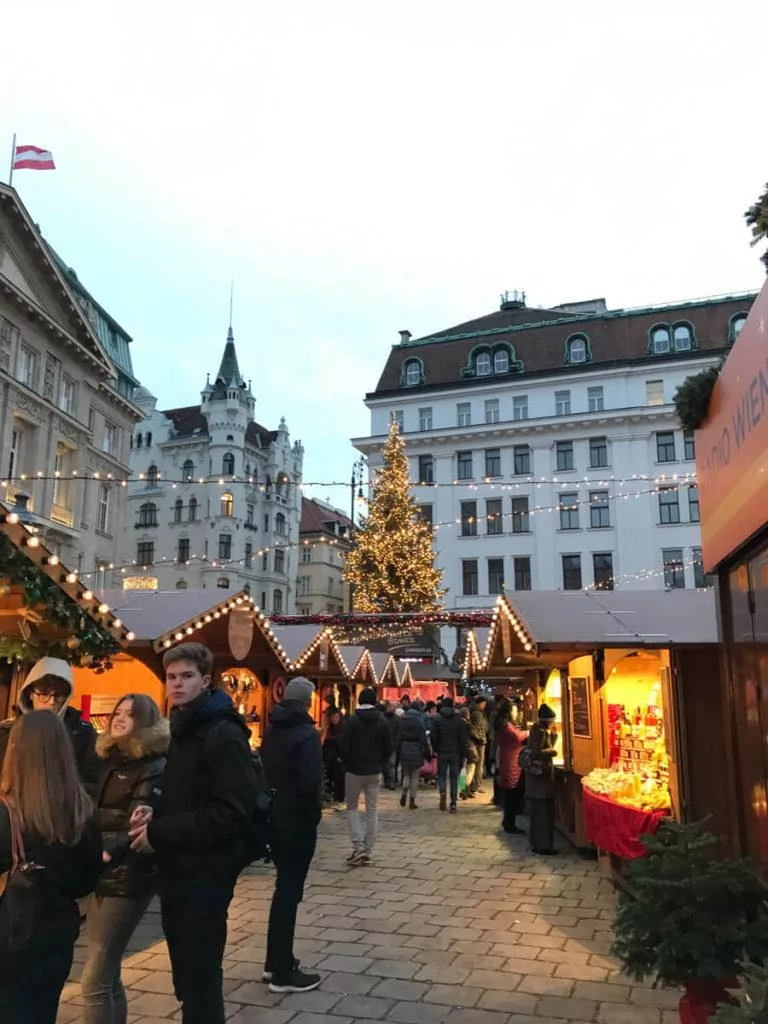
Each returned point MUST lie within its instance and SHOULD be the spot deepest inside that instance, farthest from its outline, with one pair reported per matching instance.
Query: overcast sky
(362, 167)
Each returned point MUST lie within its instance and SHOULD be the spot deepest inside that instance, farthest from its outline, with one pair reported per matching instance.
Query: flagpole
(13, 158)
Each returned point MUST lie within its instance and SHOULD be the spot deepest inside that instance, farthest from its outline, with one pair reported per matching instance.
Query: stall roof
(351, 655)
(297, 639)
(301, 642)
(383, 664)
(430, 673)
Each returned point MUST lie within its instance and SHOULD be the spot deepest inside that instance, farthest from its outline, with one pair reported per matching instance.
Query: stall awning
(312, 651)
(384, 668)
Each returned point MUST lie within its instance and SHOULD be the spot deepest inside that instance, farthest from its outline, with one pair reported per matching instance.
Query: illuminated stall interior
(313, 652)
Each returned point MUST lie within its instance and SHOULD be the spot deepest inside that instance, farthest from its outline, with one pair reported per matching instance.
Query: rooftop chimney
(405, 337)
(512, 300)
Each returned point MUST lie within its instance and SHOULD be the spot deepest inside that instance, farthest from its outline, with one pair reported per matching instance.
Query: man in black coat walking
(198, 831)
(450, 738)
(293, 768)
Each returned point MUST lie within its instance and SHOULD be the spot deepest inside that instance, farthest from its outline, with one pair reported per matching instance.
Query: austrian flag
(32, 158)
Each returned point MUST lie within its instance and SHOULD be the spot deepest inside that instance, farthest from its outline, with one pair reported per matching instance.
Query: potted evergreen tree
(752, 999)
(690, 919)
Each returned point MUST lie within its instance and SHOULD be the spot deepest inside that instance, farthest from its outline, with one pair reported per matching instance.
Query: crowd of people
(169, 807)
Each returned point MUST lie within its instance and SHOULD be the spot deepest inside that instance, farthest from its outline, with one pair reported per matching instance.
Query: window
(469, 519)
(569, 511)
(225, 545)
(464, 414)
(578, 349)
(102, 568)
(674, 569)
(279, 560)
(599, 510)
(192, 516)
(63, 489)
(571, 572)
(266, 522)
(397, 416)
(689, 446)
(683, 337)
(426, 469)
(149, 439)
(227, 505)
(494, 523)
(501, 361)
(222, 583)
(68, 396)
(264, 599)
(425, 419)
(735, 326)
(562, 403)
(595, 399)
(145, 552)
(523, 573)
(152, 476)
(665, 446)
(660, 342)
(110, 443)
(178, 508)
(228, 464)
(522, 453)
(495, 575)
(148, 514)
(669, 505)
(331, 582)
(280, 524)
(564, 451)
(102, 512)
(699, 579)
(469, 577)
(492, 413)
(304, 584)
(248, 560)
(654, 392)
(425, 514)
(277, 602)
(598, 452)
(493, 462)
(483, 364)
(183, 552)
(520, 407)
(602, 567)
(28, 366)
(139, 437)
(520, 515)
(14, 455)
(188, 470)
(464, 465)
(264, 561)
(413, 373)
(693, 504)
(306, 554)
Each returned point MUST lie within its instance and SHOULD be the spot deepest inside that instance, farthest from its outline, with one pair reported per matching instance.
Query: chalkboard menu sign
(580, 708)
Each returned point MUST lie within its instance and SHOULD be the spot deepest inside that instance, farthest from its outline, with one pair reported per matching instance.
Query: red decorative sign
(278, 689)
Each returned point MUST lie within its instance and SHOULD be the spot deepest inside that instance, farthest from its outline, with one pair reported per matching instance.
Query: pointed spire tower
(229, 385)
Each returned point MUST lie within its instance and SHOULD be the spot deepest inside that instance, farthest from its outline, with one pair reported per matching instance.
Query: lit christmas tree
(391, 565)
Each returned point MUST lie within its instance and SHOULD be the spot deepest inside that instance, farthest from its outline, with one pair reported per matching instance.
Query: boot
(403, 798)
(413, 804)
(443, 802)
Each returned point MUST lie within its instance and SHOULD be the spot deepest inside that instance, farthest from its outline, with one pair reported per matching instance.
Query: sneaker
(414, 807)
(403, 798)
(443, 802)
(352, 858)
(469, 794)
(363, 861)
(267, 975)
(297, 981)
(454, 809)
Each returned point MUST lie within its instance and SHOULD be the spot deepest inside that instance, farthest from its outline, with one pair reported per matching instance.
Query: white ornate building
(545, 447)
(218, 502)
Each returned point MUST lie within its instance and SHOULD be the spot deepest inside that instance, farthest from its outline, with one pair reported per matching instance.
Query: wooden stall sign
(323, 662)
(240, 632)
(581, 709)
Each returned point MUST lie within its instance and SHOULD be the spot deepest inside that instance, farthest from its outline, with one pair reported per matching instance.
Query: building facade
(544, 445)
(66, 408)
(215, 502)
(324, 533)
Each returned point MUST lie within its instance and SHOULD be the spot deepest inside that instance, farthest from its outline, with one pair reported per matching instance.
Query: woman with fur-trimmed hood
(132, 753)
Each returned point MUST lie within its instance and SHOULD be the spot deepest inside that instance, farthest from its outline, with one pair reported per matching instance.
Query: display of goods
(628, 788)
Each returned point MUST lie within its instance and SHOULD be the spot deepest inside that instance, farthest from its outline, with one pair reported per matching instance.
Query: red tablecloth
(614, 827)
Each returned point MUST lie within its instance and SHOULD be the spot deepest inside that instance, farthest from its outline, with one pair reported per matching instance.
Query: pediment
(10, 269)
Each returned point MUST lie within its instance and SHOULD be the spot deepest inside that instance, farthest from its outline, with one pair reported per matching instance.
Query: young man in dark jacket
(366, 746)
(450, 738)
(293, 768)
(199, 829)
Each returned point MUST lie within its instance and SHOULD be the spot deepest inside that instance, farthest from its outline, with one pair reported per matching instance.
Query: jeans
(479, 769)
(110, 923)
(471, 769)
(368, 785)
(30, 987)
(390, 771)
(411, 779)
(292, 853)
(194, 915)
(448, 766)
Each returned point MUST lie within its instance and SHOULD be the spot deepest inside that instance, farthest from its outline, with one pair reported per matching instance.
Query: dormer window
(501, 361)
(413, 373)
(683, 337)
(228, 464)
(660, 340)
(483, 364)
(577, 350)
(735, 326)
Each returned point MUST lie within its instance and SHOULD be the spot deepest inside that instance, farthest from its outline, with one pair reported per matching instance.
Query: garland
(693, 396)
(383, 620)
(87, 643)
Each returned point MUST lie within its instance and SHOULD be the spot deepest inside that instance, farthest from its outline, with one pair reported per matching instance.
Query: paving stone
(511, 1002)
(399, 989)
(571, 1009)
(580, 972)
(346, 949)
(348, 964)
(442, 975)
(393, 969)
(615, 1013)
(536, 985)
(474, 1016)
(453, 995)
(153, 1004)
(255, 994)
(319, 1018)
(418, 1013)
(363, 1006)
(601, 991)
(663, 998)
(348, 984)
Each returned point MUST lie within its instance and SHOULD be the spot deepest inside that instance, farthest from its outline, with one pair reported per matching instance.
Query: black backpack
(258, 833)
(24, 896)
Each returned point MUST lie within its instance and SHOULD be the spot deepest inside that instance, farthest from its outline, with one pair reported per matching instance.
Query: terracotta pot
(702, 998)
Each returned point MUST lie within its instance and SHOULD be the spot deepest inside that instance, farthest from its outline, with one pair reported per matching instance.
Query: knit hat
(367, 696)
(300, 689)
(546, 714)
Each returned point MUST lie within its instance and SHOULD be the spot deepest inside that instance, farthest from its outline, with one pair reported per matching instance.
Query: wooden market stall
(628, 674)
(361, 673)
(313, 652)
(249, 662)
(385, 671)
(423, 681)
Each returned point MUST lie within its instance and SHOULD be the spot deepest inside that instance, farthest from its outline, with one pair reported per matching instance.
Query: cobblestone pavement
(454, 922)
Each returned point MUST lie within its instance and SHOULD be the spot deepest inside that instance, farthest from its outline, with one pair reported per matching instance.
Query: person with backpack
(450, 740)
(132, 753)
(200, 829)
(293, 769)
(413, 751)
(366, 749)
(50, 856)
(536, 760)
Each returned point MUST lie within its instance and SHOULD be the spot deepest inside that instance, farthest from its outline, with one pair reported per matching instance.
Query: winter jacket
(293, 767)
(478, 725)
(209, 794)
(394, 723)
(71, 873)
(331, 744)
(541, 787)
(366, 742)
(413, 747)
(131, 775)
(451, 735)
(510, 741)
